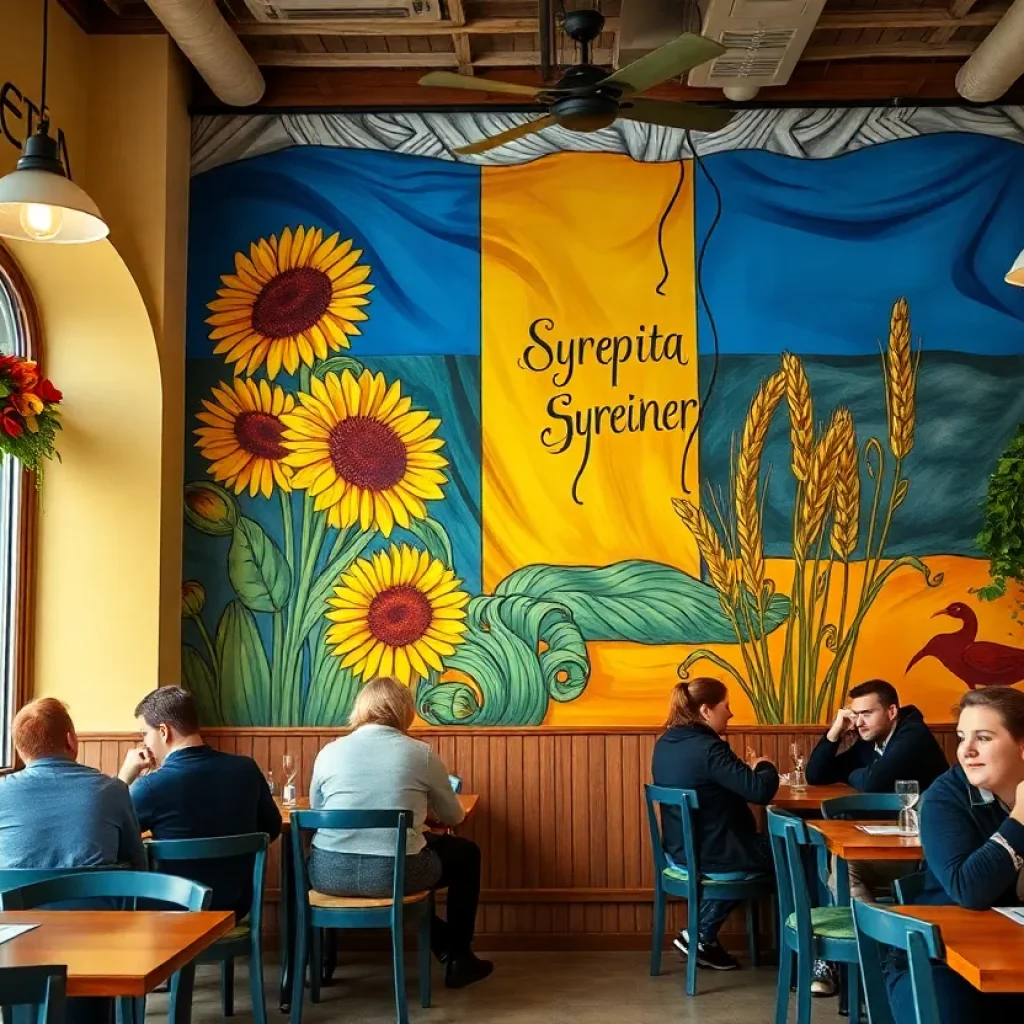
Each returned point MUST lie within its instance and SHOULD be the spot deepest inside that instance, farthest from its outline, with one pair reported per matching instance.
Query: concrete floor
(526, 988)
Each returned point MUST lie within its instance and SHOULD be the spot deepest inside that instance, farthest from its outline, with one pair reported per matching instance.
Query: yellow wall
(108, 621)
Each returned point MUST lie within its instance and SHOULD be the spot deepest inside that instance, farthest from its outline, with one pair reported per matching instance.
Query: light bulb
(41, 221)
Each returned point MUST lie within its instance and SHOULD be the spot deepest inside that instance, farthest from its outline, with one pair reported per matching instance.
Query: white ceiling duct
(997, 62)
(215, 51)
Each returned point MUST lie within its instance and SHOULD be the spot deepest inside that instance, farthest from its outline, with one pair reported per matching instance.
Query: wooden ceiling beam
(958, 11)
(890, 51)
(451, 59)
(393, 27)
(937, 18)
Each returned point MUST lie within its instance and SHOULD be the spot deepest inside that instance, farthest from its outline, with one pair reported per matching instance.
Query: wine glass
(798, 780)
(909, 792)
(289, 771)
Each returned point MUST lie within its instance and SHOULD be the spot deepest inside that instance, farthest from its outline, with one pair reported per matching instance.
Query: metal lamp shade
(80, 219)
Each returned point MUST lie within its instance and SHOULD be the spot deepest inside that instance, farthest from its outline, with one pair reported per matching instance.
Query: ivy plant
(1002, 535)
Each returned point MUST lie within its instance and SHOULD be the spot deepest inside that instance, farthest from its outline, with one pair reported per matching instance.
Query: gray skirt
(360, 874)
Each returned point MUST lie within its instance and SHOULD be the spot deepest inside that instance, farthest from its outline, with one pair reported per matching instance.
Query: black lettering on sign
(10, 107)
(16, 107)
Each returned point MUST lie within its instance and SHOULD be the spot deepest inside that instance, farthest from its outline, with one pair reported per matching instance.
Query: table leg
(287, 925)
(182, 985)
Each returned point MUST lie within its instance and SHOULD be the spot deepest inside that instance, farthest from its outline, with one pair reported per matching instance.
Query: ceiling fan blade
(520, 131)
(450, 80)
(668, 61)
(676, 115)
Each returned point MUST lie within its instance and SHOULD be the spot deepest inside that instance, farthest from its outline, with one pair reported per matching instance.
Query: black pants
(460, 874)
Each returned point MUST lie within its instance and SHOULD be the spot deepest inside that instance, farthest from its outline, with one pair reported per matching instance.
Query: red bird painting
(976, 662)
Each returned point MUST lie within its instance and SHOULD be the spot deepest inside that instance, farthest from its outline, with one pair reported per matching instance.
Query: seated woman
(692, 754)
(379, 766)
(972, 831)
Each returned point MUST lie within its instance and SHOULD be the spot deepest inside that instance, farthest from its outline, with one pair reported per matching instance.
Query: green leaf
(316, 603)
(434, 538)
(258, 570)
(332, 689)
(243, 668)
(197, 678)
(338, 365)
(642, 602)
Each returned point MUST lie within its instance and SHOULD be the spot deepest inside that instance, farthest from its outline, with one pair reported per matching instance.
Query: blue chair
(806, 933)
(877, 929)
(245, 938)
(15, 878)
(42, 988)
(316, 910)
(456, 782)
(862, 807)
(690, 884)
(124, 889)
(909, 887)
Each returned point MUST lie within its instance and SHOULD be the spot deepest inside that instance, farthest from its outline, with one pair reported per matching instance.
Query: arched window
(19, 335)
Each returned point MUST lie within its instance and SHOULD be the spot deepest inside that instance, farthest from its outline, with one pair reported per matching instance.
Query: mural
(538, 439)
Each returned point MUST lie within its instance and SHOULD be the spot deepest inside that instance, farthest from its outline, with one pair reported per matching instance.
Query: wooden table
(844, 839)
(982, 946)
(117, 952)
(287, 913)
(809, 799)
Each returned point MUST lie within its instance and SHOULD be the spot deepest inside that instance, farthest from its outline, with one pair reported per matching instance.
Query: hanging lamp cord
(44, 119)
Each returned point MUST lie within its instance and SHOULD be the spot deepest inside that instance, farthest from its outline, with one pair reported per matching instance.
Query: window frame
(24, 510)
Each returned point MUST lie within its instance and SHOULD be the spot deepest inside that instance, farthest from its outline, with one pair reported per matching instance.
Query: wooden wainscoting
(561, 822)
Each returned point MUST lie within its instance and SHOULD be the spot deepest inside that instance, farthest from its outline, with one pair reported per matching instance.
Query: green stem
(212, 653)
(289, 531)
(275, 664)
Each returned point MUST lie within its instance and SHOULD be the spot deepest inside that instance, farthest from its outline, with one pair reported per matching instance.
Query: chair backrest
(15, 878)
(683, 802)
(125, 886)
(878, 928)
(456, 783)
(311, 821)
(253, 844)
(42, 987)
(909, 887)
(862, 807)
(790, 836)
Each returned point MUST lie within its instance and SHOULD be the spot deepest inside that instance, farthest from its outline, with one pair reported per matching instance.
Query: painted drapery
(474, 427)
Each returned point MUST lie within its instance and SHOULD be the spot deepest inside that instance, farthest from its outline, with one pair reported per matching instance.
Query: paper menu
(12, 931)
(1013, 913)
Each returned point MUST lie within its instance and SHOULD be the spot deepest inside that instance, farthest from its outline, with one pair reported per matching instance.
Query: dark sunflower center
(291, 302)
(367, 453)
(259, 434)
(399, 616)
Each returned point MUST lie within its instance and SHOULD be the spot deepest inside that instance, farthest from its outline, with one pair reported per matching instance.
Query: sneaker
(464, 970)
(824, 979)
(709, 954)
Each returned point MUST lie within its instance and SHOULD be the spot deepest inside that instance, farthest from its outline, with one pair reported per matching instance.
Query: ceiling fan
(588, 98)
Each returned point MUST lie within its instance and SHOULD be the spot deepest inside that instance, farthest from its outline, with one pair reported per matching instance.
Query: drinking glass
(751, 756)
(289, 770)
(909, 793)
(798, 779)
(271, 784)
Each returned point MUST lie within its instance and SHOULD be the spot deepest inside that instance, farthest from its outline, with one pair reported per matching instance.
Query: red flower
(12, 427)
(48, 393)
(25, 375)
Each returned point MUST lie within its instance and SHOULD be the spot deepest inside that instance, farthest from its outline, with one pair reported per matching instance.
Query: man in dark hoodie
(892, 744)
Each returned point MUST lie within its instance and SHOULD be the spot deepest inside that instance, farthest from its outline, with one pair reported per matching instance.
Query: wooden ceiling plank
(464, 53)
(456, 12)
(394, 26)
(444, 59)
(958, 10)
(894, 51)
(923, 18)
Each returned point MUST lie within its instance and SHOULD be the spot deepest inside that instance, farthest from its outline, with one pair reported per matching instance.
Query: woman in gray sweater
(379, 766)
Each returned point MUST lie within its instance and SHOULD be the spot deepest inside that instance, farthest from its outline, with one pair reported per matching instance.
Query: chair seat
(680, 874)
(323, 900)
(828, 922)
(240, 931)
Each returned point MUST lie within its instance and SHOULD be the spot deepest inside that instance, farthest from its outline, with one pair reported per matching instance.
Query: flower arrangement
(29, 417)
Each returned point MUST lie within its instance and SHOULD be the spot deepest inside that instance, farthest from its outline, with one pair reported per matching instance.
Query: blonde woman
(379, 766)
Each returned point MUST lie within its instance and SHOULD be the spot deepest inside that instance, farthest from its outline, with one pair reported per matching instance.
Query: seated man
(56, 813)
(871, 746)
(197, 793)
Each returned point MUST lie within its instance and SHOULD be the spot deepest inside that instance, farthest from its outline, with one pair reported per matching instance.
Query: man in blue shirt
(56, 813)
(191, 791)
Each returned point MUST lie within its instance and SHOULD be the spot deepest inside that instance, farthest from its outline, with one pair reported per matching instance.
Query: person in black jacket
(692, 754)
(892, 743)
(972, 831)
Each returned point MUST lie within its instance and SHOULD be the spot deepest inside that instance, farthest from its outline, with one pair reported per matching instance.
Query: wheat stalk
(818, 488)
(720, 568)
(846, 504)
(900, 381)
(748, 470)
(801, 414)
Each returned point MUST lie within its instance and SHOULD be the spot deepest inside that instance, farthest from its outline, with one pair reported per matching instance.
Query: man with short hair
(56, 813)
(872, 745)
(197, 793)
(892, 743)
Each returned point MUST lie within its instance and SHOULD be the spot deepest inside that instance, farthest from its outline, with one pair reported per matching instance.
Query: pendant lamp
(38, 202)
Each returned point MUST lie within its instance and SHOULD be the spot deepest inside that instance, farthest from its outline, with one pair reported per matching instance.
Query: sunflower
(289, 301)
(242, 438)
(356, 447)
(397, 614)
